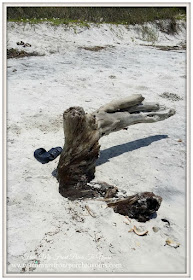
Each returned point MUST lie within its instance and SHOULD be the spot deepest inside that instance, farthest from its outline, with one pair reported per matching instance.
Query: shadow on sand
(118, 150)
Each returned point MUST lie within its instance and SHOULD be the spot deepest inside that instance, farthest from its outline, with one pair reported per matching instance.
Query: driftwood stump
(82, 132)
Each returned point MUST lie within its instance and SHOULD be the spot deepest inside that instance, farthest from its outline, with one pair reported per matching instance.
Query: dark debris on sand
(14, 53)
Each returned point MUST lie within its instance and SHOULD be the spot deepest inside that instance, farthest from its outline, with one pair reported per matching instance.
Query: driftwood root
(141, 206)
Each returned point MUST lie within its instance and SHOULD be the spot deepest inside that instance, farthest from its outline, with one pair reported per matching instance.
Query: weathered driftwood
(82, 132)
(140, 206)
(129, 111)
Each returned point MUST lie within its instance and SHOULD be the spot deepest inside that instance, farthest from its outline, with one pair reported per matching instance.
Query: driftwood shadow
(118, 150)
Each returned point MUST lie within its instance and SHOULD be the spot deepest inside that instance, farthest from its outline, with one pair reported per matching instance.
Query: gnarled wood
(140, 206)
(119, 114)
(77, 161)
(82, 132)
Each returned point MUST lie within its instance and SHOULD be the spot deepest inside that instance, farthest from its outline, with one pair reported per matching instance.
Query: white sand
(60, 235)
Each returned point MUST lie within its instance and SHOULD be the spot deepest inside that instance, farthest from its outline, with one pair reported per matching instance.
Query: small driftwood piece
(89, 211)
(140, 206)
(82, 132)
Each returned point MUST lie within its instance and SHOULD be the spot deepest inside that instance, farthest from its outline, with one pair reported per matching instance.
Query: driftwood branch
(129, 111)
(82, 132)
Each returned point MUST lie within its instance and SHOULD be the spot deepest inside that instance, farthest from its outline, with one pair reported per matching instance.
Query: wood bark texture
(141, 206)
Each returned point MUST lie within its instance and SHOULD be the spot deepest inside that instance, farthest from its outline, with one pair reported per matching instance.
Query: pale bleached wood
(108, 123)
(124, 103)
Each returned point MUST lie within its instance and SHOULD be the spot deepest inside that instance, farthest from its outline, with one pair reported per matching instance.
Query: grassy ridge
(125, 15)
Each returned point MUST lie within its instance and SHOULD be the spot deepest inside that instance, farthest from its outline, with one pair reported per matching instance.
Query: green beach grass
(85, 15)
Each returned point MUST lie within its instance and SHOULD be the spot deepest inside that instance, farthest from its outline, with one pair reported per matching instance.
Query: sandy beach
(48, 233)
